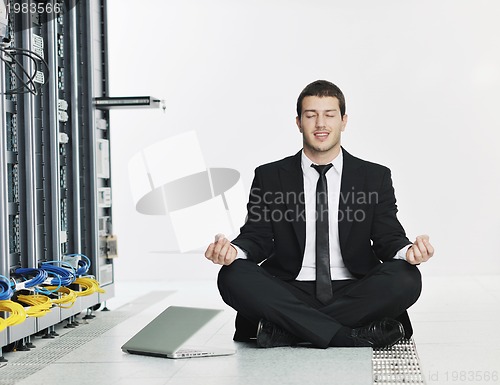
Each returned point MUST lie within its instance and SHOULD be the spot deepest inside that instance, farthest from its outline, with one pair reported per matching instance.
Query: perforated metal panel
(397, 365)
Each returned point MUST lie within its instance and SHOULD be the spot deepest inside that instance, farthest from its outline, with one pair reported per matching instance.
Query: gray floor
(453, 323)
(456, 330)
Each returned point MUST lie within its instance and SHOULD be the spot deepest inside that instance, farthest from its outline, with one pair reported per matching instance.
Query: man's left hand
(420, 251)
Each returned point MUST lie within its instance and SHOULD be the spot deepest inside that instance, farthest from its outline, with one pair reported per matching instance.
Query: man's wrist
(240, 254)
(401, 254)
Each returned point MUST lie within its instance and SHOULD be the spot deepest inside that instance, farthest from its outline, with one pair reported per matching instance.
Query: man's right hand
(221, 252)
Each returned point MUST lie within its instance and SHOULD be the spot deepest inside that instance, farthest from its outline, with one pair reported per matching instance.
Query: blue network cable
(83, 266)
(66, 277)
(39, 276)
(6, 291)
(47, 291)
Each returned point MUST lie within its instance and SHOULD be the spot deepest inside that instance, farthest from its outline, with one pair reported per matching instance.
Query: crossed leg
(387, 291)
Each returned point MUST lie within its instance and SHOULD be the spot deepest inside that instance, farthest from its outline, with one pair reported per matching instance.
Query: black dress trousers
(386, 291)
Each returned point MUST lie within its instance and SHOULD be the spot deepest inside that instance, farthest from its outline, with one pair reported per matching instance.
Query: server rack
(55, 178)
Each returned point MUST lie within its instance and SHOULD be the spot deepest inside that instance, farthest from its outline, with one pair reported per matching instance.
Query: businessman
(322, 257)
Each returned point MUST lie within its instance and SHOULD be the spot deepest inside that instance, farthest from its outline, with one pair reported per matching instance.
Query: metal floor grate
(397, 365)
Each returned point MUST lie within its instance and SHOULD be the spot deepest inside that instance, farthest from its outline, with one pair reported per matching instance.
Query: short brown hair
(321, 88)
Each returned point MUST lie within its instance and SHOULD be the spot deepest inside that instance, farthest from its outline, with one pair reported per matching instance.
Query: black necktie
(323, 276)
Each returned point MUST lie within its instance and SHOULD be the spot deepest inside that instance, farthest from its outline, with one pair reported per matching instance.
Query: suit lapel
(292, 181)
(352, 183)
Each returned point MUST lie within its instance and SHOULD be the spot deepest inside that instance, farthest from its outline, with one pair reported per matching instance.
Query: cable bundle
(3, 324)
(8, 56)
(18, 314)
(64, 277)
(6, 291)
(66, 299)
(90, 284)
(39, 304)
(39, 276)
(83, 265)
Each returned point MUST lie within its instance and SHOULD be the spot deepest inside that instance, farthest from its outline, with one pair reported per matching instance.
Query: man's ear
(297, 121)
(344, 122)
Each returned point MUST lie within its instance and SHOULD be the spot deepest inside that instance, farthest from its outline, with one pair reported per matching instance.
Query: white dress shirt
(333, 178)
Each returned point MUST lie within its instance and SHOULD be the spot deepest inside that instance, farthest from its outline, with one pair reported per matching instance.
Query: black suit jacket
(274, 231)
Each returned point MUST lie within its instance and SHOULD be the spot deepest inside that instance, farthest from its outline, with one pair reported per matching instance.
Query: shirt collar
(337, 163)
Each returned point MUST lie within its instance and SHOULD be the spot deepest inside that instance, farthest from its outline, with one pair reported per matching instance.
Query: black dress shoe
(378, 334)
(271, 336)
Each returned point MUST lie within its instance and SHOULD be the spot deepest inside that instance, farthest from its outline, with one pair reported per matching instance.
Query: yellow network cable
(67, 298)
(18, 314)
(39, 304)
(3, 324)
(90, 284)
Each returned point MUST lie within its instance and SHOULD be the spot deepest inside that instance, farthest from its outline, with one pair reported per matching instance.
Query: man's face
(321, 125)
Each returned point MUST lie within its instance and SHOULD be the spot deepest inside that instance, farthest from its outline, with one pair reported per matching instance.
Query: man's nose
(320, 121)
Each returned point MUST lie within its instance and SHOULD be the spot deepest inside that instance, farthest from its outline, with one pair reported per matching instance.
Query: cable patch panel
(13, 181)
(11, 81)
(11, 132)
(64, 215)
(62, 151)
(63, 177)
(60, 45)
(14, 234)
(60, 78)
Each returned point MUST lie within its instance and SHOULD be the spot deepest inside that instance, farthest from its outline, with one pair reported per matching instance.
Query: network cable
(36, 277)
(90, 284)
(31, 78)
(39, 304)
(17, 312)
(66, 299)
(29, 85)
(83, 265)
(39, 276)
(6, 291)
(45, 289)
(66, 277)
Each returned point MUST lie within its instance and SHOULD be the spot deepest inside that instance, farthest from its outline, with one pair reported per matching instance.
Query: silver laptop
(166, 334)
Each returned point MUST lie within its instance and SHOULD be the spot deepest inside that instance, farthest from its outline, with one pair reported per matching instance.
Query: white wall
(421, 79)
